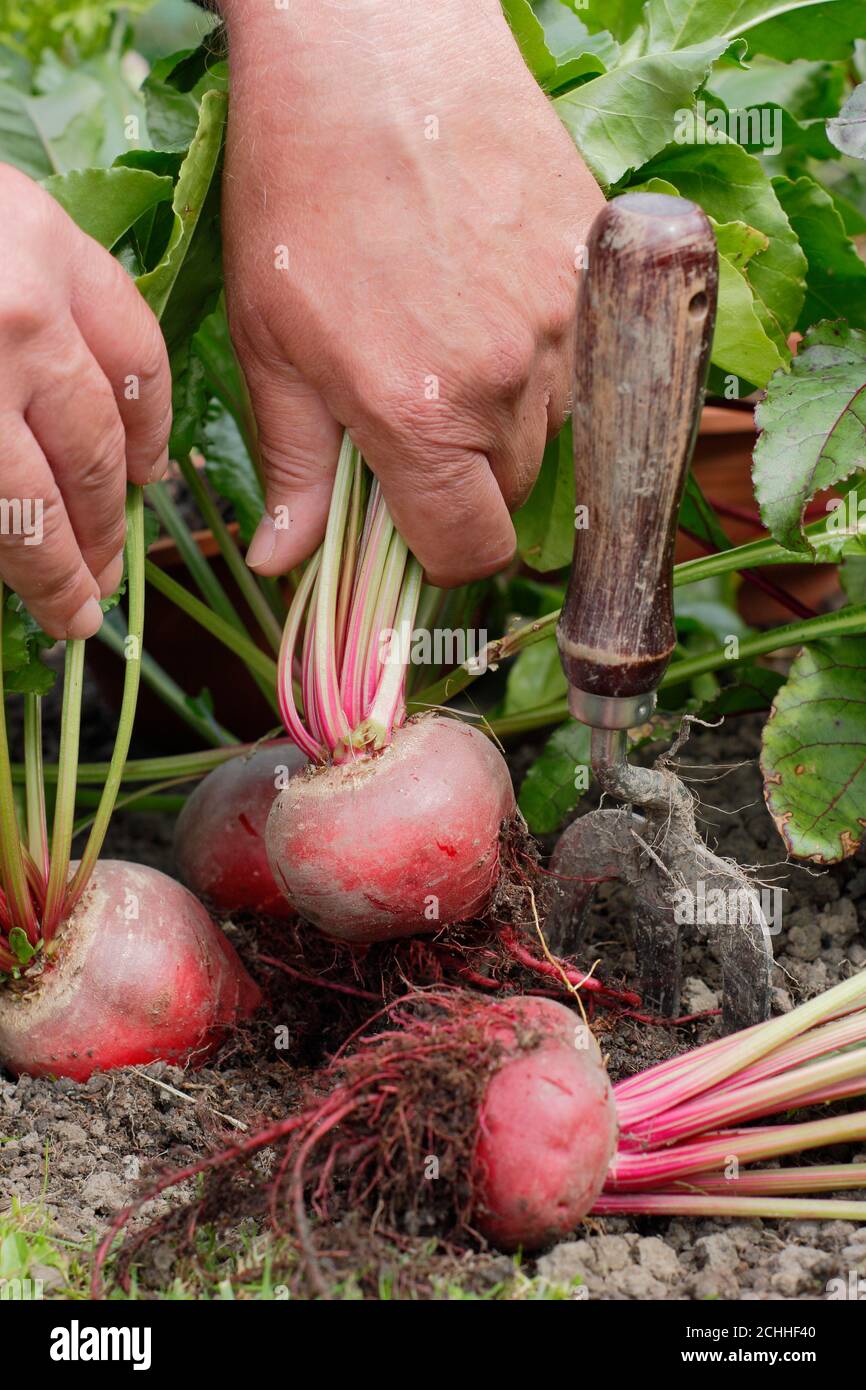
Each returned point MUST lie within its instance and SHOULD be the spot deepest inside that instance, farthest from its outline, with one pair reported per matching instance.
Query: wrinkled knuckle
(287, 467)
(152, 366)
(394, 409)
(58, 587)
(54, 522)
(37, 215)
(560, 315)
(108, 450)
(72, 588)
(503, 368)
(256, 346)
(108, 536)
(25, 311)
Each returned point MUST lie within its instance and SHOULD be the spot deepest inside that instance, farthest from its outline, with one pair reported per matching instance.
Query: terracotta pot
(723, 468)
(194, 659)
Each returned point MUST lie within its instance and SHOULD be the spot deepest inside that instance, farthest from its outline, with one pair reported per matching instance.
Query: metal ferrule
(610, 711)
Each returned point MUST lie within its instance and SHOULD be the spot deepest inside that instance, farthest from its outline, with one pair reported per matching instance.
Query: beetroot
(106, 963)
(138, 972)
(395, 828)
(459, 1115)
(546, 1128)
(402, 842)
(219, 840)
(510, 1099)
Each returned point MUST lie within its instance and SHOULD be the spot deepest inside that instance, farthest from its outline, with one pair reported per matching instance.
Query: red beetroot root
(400, 842)
(138, 972)
(547, 1128)
(219, 840)
(511, 1098)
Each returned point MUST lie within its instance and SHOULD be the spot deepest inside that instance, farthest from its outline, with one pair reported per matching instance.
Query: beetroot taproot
(546, 1126)
(138, 972)
(404, 841)
(511, 1100)
(219, 840)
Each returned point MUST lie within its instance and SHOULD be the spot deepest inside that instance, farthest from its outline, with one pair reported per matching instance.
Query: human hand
(85, 400)
(402, 209)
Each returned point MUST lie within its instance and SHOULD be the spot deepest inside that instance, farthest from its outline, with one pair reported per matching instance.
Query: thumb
(299, 442)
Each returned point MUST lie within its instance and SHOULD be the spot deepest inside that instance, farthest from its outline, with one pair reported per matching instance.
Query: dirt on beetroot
(84, 1151)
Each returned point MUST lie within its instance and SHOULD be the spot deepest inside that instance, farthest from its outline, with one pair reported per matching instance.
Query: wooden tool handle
(646, 308)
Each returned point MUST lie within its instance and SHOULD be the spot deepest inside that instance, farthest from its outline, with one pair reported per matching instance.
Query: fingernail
(263, 543)
(87, 621)
(159, 468)
(111, 576)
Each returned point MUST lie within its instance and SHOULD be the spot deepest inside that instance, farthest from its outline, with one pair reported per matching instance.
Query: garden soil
(83, 1151)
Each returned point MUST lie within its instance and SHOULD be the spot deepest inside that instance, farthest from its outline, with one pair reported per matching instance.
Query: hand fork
(646, 311)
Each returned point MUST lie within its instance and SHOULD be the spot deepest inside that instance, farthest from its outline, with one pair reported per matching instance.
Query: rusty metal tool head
(646, 311)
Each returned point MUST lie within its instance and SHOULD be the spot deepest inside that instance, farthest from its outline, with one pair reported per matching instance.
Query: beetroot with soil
(105, 963)
(138, 972)
(513, 1101)
(401, 842)
(219, 841)
(395, 829)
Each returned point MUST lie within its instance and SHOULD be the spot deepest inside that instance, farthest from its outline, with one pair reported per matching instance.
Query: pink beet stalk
(683, 1147)
(358, 596)
(672, 1083)
(687, 1204)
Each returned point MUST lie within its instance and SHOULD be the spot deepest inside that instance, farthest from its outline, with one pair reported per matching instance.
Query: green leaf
(836, 277)
(804, 89)
(173, 91)
(577, 52)
(14, 1255)
(529, 33)
(847, 131)
(545, 522)
(106, 202)
(21, 948)
(852, 576)
(619, 17)
(812, 428)
(548, 793)
(741, 345)
(677, 24)
(51, 134)
(813, 755)
(623, 118)
(698, 517)
(213, 345)
(754, 689)
(738, 242)
(845, 181)
(183, 287)
(189, 401)
(764, 128)
(732, 186)
(230, 469)
(536, 678)
(151, 527)
(24, 671)
(21, 142)
(707, 609)
(172, 116)
(823, 30)
(72, 118)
